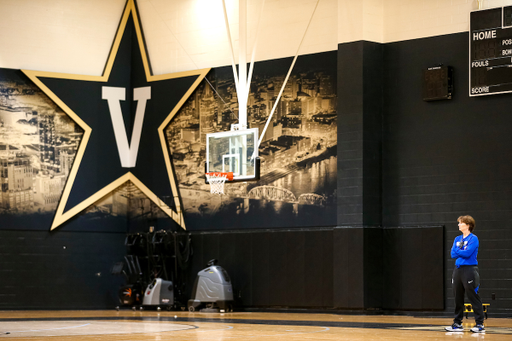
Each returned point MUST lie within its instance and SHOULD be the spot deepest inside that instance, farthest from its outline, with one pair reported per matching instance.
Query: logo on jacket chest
(462, 244)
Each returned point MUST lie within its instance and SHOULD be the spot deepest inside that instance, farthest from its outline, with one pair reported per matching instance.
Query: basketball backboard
(233, 151)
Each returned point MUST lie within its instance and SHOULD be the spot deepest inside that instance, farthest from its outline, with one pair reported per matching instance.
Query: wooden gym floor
(177, 326)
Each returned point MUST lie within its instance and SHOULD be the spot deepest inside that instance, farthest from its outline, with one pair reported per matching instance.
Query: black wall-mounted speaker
(437, 83)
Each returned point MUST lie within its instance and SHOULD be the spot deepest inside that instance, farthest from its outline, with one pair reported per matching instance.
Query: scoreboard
(490, 51)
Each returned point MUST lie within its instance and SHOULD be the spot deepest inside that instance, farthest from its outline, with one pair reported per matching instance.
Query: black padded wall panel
(243, 268)
(341, 268)
(319, 265)
(59, 270)
(295, 266)
(373, 267)
(433, 259)
(358, 267)
(260, 276)
(348, 271)
(278, 270)
(272, 268)
(413, 271)
(391, 258)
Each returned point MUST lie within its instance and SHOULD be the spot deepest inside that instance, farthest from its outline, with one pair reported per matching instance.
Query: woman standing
(465, 278)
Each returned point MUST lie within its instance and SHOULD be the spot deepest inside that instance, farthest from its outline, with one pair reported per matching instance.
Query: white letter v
(113, 95)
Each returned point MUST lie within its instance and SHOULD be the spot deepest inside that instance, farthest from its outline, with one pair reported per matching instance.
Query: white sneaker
(455, 328)
(479, 328)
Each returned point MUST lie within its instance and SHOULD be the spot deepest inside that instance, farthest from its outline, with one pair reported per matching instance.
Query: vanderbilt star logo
(103, 106)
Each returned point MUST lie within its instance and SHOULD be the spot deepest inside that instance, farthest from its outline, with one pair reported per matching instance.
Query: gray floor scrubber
(212, 290)
(159, 294)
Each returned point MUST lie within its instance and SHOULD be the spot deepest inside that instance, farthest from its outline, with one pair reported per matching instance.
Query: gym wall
(448, 158)
(406, 169)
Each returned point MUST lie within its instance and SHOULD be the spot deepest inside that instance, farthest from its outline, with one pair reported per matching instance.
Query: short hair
(468, 220)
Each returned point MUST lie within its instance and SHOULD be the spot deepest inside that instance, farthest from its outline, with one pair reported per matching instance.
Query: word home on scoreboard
(490, 51)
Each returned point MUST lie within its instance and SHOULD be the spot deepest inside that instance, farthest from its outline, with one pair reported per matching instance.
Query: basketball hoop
(217, 180)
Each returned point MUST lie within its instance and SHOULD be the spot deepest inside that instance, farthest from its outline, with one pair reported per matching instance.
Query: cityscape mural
(298, 151)
(38, 143)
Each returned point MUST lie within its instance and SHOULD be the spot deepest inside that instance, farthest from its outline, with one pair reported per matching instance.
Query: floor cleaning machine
(212, 290)
(159, 293)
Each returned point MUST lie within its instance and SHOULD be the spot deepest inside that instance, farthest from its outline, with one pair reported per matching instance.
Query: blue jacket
(465, 254)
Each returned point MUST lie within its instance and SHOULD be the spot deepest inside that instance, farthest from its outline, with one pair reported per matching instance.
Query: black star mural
(123, 114)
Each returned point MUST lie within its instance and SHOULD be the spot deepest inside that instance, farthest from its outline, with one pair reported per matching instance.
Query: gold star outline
(60, 216)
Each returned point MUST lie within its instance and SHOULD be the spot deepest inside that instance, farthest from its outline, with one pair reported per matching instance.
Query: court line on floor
(209, 330)
(94, 321)
(44, 330)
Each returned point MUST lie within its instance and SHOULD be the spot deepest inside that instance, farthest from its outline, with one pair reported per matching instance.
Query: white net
(216, 181)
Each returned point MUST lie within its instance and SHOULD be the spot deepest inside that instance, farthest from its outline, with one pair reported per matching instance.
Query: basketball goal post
(236, 151)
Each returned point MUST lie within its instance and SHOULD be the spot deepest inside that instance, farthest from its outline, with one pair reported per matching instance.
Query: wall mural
(38, 143)
(298, 153)
(61, 164)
